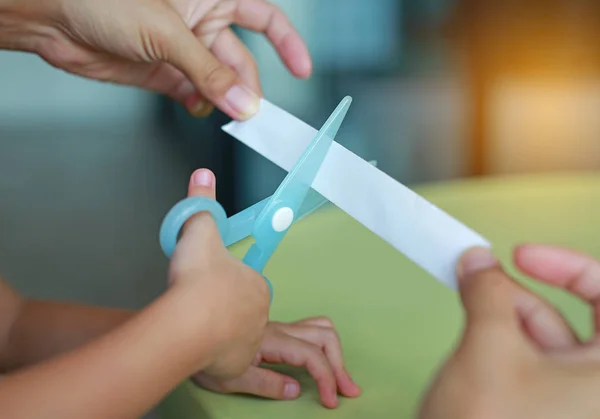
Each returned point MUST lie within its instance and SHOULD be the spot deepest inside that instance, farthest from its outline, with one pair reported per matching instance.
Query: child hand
(312, 343)
(518, 357)
(181, 48)
(239, 295)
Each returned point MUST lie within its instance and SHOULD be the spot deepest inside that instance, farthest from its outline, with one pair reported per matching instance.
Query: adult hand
(518, 357)
(239, 295)
(311, 343)
(181, 48)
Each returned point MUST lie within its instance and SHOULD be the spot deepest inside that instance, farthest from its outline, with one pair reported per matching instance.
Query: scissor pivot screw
(282, 219)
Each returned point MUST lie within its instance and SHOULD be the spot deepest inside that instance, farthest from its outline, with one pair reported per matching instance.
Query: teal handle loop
(183, 211)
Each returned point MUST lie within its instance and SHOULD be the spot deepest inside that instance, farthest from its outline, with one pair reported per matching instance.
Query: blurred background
(443, 90)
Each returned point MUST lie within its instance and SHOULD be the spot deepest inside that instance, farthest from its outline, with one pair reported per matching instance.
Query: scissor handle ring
(183, 211)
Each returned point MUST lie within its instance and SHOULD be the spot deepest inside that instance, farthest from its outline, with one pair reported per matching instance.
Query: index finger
(563, 268)
(327, 339)
(542, 322)
(300, 353)
(262, 16)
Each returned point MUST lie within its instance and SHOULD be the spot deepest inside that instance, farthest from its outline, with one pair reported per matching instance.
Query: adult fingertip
(475, 260)
(243, 101)
(297, 57)
(306, 68)
(301, 67)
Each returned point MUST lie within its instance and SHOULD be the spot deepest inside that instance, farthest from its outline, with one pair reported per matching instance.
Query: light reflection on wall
(544, 125)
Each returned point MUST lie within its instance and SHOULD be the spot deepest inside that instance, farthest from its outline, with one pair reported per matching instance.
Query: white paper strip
(421, 231)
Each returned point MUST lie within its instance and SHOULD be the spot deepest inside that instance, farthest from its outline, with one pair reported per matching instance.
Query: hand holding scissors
(269, 220)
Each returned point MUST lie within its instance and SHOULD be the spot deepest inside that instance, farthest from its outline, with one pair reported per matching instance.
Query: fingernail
(475, 260)
(201, 109)
(204, 178)
(291, 390)
(243, 101)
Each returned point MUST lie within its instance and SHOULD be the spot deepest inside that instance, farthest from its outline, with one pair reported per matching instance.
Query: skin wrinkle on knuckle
(161, 41)
(154, 45)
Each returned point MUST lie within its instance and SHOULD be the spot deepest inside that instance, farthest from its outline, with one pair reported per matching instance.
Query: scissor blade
(302, 175)
(242, 223)
(292, 191)
(294, 187)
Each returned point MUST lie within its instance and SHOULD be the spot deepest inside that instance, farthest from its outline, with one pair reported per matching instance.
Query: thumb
(486, 291)
(214, 81)
(202, 183)
(265, 383)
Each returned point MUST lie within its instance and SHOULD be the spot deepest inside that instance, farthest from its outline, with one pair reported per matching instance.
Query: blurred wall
(544, 126)
(85, 178)
(32, 92)
(534, 72)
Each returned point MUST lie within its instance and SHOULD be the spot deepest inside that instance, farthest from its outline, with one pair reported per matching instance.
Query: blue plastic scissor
(269, 220)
